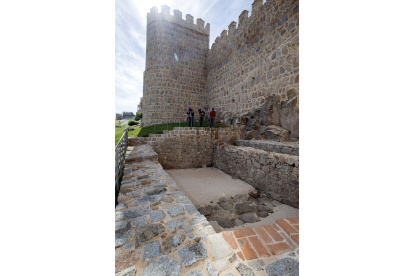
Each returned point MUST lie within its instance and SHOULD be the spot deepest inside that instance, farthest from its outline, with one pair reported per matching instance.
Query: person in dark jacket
(212, 116)
(202, 114)
(190, 114)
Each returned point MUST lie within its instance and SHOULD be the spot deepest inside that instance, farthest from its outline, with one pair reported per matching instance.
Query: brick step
(291, 148)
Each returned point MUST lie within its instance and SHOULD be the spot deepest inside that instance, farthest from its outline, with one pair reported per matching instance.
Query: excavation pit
(229, 203)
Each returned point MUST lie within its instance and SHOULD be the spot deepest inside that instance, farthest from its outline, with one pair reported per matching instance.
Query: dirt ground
(205, 185)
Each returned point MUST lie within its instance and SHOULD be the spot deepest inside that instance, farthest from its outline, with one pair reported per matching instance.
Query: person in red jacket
(212, 116)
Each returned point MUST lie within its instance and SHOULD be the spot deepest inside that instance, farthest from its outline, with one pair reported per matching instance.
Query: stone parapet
(272, 146)
(275, 173)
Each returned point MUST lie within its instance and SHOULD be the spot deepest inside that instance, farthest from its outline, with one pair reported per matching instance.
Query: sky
(130, 38)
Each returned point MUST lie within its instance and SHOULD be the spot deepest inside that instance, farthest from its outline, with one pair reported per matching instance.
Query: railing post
(116, 176)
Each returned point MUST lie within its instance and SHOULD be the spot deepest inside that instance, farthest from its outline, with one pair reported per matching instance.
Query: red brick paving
(244, 232)
(263, 234)
(291, 226)
(279, 248)
(228, 236)
(263, 241)
(276, 227)
(240, 254)
(273, 233)
(293, 220)
(287, 226)
(295, 237)
(257, 244)
(248, 251)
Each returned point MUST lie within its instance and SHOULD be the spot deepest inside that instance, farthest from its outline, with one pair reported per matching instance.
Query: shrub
(132, 122)
(138, 116)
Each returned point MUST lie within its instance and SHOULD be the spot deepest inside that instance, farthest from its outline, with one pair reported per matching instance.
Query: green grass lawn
(120, 130)
(158, 129)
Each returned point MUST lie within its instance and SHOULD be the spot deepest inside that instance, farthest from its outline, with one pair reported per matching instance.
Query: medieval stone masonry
(175, 72)
(250, 76)
(254, 59)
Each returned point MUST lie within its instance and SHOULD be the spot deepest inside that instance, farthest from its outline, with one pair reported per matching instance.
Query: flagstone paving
(158, 231)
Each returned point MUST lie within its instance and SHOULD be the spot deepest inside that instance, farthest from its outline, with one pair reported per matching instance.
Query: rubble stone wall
(275, 173)
(273, 146)
(184, 148)
(175, 73)
(257, 59)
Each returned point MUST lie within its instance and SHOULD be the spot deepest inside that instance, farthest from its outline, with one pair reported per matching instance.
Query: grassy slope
(120, 130)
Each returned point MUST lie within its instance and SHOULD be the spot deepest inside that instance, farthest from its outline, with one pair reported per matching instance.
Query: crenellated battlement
(177, 18)
(243, 22)
(255, 58)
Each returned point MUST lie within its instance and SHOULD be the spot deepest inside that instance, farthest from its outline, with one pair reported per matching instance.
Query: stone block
(163, 266)
(176, 224)
(151, 250)
(130, 271)
(176, 211)
(219, 246)
(212, 271)
(284, 266)
(192, 254)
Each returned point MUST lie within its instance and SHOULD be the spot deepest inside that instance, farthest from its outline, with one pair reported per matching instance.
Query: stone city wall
(175, 73)
(275, 173)
(257, 59)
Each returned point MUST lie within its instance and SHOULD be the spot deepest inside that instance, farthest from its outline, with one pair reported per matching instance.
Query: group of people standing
(202, 114)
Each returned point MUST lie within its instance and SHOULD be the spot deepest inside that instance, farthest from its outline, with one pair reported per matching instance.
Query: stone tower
(175, 69)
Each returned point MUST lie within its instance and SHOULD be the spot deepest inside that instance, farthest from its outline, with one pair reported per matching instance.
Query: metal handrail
(120, 151)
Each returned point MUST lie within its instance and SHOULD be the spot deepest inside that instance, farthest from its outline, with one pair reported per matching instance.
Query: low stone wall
(185, 147)
(275, 173)
(154, 218)
(136, 141)
(273, 146)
